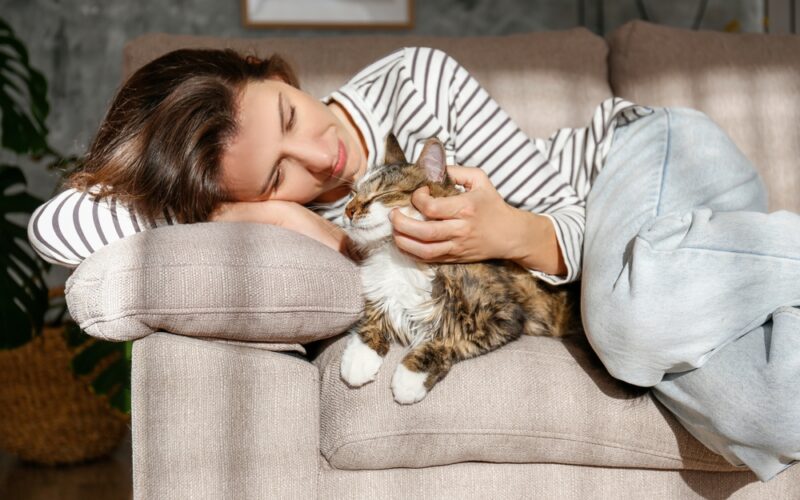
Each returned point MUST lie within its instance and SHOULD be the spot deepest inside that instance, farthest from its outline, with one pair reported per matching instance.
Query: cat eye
(387, 193)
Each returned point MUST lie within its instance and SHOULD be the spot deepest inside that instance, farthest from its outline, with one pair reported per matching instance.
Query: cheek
(378, 212)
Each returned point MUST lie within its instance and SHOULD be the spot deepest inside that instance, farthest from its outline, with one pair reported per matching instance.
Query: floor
(108, 478)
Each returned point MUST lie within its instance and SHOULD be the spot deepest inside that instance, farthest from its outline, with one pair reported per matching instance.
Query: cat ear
(394, 154)
(432, 160)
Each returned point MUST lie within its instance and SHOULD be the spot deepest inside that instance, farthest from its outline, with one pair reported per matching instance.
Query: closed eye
(387, 193)
(291, 119)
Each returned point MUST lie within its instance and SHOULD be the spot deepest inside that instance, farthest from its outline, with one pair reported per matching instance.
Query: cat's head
(390, 186)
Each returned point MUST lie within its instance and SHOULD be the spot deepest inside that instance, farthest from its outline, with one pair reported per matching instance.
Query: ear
(432, 160)
(394, 154)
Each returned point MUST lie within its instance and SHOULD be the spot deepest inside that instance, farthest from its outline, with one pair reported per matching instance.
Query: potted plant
(65, 396)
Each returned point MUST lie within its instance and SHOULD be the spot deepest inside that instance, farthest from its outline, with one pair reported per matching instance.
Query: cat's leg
(366, 347)
(419, 371)
(471, 322)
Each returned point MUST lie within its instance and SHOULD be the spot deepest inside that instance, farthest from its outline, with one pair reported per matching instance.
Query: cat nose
(348, 211)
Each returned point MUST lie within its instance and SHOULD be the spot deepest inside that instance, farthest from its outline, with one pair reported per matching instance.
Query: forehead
(393, 175)
(258, 105)
(258, 127)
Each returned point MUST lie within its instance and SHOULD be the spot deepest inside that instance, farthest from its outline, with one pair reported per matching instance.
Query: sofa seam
(219, 265)
(494, 432)
(208, 343)
(176, 312)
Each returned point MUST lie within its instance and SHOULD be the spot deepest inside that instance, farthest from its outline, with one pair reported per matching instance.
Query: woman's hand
(288, 214)
(473, 226)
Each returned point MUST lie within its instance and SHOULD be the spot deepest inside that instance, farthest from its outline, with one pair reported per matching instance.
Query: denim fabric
(689, 285)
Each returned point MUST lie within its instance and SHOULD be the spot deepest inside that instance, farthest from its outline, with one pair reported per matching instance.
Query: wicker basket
(48, 415)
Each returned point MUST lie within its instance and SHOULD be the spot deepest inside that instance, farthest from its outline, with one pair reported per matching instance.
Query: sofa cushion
(542, 80)
(235, 280)
(748, 83)
(534, 400)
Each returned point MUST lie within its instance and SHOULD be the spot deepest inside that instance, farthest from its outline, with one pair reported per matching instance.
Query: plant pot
(48, 415)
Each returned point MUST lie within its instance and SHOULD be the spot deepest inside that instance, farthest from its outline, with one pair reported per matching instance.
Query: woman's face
(291, 147)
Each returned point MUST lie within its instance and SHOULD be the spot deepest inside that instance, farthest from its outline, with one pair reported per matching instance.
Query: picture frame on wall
(328, 14)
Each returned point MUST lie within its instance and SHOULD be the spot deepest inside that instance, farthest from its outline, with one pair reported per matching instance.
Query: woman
(202, 135)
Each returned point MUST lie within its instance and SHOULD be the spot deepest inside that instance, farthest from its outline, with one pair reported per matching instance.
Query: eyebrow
(268, 181)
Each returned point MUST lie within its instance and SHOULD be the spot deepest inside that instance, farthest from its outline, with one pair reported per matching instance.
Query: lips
(342, 159)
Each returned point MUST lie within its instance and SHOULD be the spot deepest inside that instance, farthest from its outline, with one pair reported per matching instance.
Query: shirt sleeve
(72, 225)
(483, 135)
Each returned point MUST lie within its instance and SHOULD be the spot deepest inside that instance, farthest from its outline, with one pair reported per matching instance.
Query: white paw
(360, 363)
(408, 387)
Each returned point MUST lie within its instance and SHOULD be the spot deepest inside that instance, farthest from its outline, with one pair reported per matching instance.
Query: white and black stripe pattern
(72, 225)
(417, 93)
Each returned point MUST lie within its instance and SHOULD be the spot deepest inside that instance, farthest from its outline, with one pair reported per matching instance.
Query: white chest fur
(400, 287)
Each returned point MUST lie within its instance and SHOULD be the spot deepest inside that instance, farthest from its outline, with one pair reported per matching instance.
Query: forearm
(289, 215)
(535, 245)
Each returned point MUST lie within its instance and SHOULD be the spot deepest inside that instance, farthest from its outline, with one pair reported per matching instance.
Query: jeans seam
(666, 163)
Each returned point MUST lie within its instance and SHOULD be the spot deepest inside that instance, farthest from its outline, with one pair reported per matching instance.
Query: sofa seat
(536, 400)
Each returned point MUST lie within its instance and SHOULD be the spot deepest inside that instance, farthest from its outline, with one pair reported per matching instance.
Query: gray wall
(77, 44)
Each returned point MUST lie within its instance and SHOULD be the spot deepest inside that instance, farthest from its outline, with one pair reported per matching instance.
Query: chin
(367, 236)
(374, 230)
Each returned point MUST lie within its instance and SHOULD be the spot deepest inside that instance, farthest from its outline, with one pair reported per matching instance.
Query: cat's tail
(564, 311)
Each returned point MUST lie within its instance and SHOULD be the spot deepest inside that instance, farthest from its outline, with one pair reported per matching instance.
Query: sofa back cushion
(748, 83)
(542, 80)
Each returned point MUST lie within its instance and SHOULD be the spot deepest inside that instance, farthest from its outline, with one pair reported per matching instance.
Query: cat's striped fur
(444, 313)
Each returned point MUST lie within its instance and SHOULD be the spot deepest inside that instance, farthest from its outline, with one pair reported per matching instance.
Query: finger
(423, 250)
(468, 177)
(442, 208)
(430, 230)
(428, 205)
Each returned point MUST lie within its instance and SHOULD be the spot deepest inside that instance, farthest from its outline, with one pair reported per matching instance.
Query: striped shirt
(415, 93)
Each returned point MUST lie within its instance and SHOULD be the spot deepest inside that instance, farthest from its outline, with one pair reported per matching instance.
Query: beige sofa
(242, 398)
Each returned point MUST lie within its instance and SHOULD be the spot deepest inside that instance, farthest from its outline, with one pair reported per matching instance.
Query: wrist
(536, 244)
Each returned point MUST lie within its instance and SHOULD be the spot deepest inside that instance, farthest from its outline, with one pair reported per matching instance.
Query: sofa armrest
(217, 420)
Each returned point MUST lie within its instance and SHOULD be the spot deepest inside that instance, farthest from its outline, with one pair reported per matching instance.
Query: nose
(348, 211)
(317, 154)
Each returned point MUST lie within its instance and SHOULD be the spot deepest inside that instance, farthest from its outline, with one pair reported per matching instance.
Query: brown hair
(161, 142)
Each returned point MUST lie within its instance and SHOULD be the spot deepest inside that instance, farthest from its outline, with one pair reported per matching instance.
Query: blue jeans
(689, 285)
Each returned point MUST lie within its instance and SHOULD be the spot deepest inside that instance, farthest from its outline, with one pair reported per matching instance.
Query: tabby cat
(443, 313)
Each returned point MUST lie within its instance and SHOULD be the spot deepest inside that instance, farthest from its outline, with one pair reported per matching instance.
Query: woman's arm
(477, 225)
(290, 215)
(452, 105)
(72, 225)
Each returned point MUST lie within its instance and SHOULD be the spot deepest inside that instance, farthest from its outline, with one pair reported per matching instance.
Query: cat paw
(408, 387)
(360, 363)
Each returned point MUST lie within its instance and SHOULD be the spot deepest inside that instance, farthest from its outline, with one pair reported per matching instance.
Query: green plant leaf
(113, 375)
(85, 361)
(11, 175)
(22, 285)
(75, 336)
(121, 400)
(23, 98)
(114, 381)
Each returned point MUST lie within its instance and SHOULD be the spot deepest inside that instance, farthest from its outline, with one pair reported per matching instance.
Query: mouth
(365, 228)
(338, 168)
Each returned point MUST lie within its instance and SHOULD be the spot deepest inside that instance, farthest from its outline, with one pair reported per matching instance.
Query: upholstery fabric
(480, 481)
(536, 399)
(748, 83)
(233, 280)
(222, 421)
